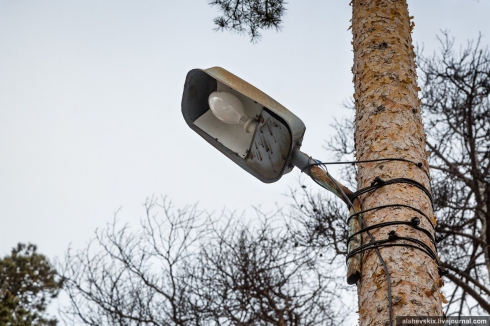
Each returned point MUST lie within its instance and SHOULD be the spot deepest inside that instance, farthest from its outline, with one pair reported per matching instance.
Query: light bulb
(228, 108)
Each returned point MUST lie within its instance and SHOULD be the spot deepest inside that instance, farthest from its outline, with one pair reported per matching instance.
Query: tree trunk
(389, 125)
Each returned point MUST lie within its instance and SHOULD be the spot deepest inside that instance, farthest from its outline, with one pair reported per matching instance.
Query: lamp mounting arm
(309, 166)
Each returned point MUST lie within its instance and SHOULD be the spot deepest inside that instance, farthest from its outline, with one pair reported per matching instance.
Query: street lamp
(257, 133)
(242, 122)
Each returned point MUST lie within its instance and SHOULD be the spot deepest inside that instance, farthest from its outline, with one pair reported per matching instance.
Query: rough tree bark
(389, 125)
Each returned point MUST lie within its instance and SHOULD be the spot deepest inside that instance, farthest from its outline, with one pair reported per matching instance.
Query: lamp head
(242, 122)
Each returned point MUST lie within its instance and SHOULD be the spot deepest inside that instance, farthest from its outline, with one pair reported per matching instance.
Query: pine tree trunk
(389, 125)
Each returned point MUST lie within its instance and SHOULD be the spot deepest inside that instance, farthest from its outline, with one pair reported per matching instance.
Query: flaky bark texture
(388, 125)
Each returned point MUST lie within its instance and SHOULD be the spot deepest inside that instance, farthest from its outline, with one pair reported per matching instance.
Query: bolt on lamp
(256, 132)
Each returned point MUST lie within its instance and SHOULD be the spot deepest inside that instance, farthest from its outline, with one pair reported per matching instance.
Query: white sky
(90, 96)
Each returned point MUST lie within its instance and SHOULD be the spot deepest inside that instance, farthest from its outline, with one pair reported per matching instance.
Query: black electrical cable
(418, 164)
(392, 236)
(380, 225)
(378, 183)
(387, 243)
(394, 205)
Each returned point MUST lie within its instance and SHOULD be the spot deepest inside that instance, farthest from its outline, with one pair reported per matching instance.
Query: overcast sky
(90, 95)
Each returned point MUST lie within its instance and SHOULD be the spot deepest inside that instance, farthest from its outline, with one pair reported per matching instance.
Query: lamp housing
(265, 150)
